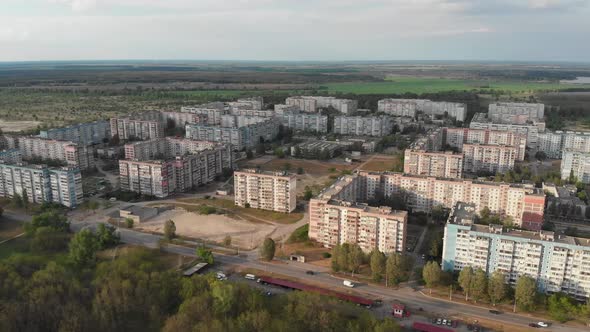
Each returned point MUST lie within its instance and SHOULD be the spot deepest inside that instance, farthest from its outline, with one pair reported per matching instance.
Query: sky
(323, 30)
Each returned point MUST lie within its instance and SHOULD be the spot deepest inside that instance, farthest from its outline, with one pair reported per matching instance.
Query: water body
(578, 80)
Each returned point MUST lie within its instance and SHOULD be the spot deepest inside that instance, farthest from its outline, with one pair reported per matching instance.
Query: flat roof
(196, 268)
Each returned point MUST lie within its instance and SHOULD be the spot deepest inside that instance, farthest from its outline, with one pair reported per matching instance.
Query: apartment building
(559, 263)
(524, 203)
(250, 103)
(517, 113)
(213, 114)
(309, 122)
(182, 118)
(456, 137)
(363, 126)
(336, 217)
(531, 130)
(314, 103)
(554, 143)
(444, 164)
(42, 184)
(10, 156)
(409, 108)
(83, 133)
(274, 191)
(576, 164)
(280, 109)
(161, 178)
(72, 154)
(170, 147)
(128, 128)
(258, 113)
(235, 121)
(240, 138)
(488, 158)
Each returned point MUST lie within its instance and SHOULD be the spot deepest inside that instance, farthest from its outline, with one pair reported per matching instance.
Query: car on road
(250, 276)
(533, 325)
(542, 324)
(495, 312)
(221, 276)
(439, 321)
(348, 283)
(310, 272)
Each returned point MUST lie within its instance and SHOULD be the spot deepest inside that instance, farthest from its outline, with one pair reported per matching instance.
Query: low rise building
(274, 191)
(576, 164)
(317, 150)
(41, 184)
(363, 126)
(83, 133)
(337, 217)
(558, 263)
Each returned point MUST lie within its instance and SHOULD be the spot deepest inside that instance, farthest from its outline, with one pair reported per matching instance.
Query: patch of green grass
(16, 246)
(299, 235)
(400, 85)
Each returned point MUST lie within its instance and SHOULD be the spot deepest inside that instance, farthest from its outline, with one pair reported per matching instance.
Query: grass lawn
(254, 215)
(9, 228)
(18, 245)
(418, 85)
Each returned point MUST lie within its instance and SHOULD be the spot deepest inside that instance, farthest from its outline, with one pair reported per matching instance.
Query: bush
(206, 209)
(326, 255)
(129, 222)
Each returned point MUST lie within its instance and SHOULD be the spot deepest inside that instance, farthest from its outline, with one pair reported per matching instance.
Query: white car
(221, 276)
(543, 324)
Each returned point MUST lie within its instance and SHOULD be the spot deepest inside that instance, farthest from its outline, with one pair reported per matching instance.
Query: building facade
(363, 126)
(456, 137)
(558, 263)
(274, 191)
(488, 158)
(314, 103)
(517, 113)
(213, 114)
(183, 118)
(241, 137)
(42, 184)
(11, 156)
(576, 164)
(554, 143)
(83, 133)
(531, 130)
(70, 153)
(127, 128)
(337, 218)
(308, 122)
(444, 164)
(410, 107)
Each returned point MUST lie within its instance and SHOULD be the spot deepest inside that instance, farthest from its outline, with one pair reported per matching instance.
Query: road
(414, 299)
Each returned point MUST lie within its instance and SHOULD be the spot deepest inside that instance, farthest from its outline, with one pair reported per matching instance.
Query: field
(419, 85)
(382, 163)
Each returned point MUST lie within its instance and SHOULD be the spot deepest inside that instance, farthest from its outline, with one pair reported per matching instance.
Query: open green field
(418, 85)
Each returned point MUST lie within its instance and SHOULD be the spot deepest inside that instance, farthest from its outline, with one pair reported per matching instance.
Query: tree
(227, 241)
(540, 155)
(397, 268)
(497, 287)
(25, 199)
(308, 194)
(479, 285)
(525, 293)
(129, 222)
(439, 213)
(106, 236)
(249, 154)
(51, 218)
(300, 170)
(17, 201)
(83, 247)
(205, 254)
(465, 280)
(562, 308)
(49, 239)
(280, 153)
(377, 265)
(431, 274)
(267, 250)
(356, 258)
(169, 230)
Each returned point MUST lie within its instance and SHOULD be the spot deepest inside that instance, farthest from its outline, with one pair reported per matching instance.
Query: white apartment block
(517, 113)
(559, 263)
(456, 137)
(126, 128)
(308, 122)
(42, 184)
(337, 218)
(363, 126)
(554, 143)
(182, 118)
(313, 103)
(280, 109)
(240, 138)
(274, 191)
(409, 108)
(523, 202)
(445, 164)
(576, 163)
(258, 113)
(213, 114)
(235, 121)
(488, 158)
(251, 103)
(66, 151)
(83, 133)
(11, 156)
(531, 130)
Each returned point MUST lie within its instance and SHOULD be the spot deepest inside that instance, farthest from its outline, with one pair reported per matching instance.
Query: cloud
(77, 5)
(509, 7)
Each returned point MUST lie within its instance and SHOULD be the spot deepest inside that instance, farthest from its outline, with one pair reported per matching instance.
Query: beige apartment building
(337, 218)
(488, 158)
(444, 164)
(274, 191)
(456, 137)
(68, 152)
(127, 128)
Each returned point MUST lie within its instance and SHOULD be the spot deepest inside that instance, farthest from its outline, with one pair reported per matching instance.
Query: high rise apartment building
(456, 137)
(213, 114)
(554, 143)
(524, 203)
(409, 108)
(558, 263)
(128, 128)
(11, 156)
(446, 164)
(308, 122)
(488, 158)
(274, 191)
(72, 154)
(83, 133)
(182, 118)
(241, 137)
(336, 216)
(314, 103)
(576, 164)
(42, 184)
(531, 130)
(517, 113)
(235, 121)
(363, 126)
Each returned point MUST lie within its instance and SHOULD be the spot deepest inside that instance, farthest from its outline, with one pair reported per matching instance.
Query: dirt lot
(382, 162)
(16, 126)
(213, 227)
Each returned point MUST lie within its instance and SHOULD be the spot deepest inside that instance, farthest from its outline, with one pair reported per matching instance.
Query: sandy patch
(16, 126)
(213, 227)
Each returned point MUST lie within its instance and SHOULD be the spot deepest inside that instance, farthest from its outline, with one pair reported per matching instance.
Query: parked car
(310, 272)
(439, 321)
(542, 324)
(449, 322)
(250, 276)
(495, 312)
(348, 283)
(444, 322)
(533, 325)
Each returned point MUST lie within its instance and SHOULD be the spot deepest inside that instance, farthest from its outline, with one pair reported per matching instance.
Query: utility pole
(514, 309)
